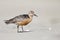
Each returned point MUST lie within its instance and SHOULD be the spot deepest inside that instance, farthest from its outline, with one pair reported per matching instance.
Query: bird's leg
(22, 28)
(18, 28)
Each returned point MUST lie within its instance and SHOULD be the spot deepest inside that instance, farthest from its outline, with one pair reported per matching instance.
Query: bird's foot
(23, 31)
(18, 31)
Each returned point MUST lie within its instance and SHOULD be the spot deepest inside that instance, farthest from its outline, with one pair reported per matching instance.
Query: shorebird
(21, 20)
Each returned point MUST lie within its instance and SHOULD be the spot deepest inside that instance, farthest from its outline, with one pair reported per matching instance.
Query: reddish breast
(24, 22)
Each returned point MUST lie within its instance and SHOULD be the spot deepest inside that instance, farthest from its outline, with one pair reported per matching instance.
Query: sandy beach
(44, 27)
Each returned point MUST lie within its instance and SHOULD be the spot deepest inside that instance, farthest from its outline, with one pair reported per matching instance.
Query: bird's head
(31, 13)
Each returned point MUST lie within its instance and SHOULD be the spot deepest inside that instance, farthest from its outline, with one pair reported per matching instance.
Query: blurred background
(46, 25)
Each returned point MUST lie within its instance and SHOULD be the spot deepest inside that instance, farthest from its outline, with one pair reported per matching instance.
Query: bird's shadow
(24, 31)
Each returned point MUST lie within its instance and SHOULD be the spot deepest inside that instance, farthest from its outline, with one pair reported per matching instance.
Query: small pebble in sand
(50, 28)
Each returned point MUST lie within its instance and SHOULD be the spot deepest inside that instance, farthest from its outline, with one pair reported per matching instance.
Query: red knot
(21, 20)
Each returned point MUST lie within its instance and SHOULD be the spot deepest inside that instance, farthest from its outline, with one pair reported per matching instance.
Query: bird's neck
(31, 16)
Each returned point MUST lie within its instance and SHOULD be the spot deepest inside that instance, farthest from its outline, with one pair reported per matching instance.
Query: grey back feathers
(17, 18)
(22, 16)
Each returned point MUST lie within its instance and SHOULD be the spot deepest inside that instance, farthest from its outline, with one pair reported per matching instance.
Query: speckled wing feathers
(19, 18)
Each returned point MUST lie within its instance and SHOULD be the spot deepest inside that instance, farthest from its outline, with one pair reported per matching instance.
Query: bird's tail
(7, 21)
